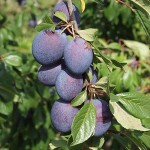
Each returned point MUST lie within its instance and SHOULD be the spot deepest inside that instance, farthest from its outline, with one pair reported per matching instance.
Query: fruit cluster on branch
(64, 65)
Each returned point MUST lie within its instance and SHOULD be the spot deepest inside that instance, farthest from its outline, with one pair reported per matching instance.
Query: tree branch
(72, 16)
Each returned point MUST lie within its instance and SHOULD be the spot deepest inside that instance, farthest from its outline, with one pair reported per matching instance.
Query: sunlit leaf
(61, 15)
(43, 26)
(83, 124)
(82, 5)
(79, 99)
(13, 60)
(87, 34)
(136, 103)
(125, 119)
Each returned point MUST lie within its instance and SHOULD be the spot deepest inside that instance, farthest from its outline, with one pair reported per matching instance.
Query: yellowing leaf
(82, 5)
(125, 119)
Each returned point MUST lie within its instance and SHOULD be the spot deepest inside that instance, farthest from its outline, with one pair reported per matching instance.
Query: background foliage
(25, 103)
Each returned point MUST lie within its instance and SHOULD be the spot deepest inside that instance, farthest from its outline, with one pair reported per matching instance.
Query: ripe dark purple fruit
(62, 115)
(48, 46)
(68, 85)
(48, 74)
(32, 23)
(21, 2)
(63, 7)
(103, 117)
(78, 56)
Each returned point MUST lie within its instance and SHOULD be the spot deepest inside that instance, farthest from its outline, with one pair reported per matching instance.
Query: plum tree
(48, 46)
(94, 75)
(48, 74)
(103, 116)
(63, 7)
(62, 115)
(78, 56)
(68, 85)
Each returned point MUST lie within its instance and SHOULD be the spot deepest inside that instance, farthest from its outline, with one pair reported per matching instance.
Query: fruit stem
(69, 31)
(72, 16)
(65, 28)
(91, 93)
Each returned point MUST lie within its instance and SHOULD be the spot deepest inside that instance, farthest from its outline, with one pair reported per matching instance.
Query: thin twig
(69, 31)
(91, 95)
(72, 16)
(127, 5)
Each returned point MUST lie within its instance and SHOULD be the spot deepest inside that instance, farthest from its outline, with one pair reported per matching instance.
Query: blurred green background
(25, 103)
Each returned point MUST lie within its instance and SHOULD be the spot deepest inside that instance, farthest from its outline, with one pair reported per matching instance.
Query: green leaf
(114, 46)
(113, 98)
(43, 26)
(138, 48)
(83, 124)
(102, 81)
(106, 59)
(136, 141)
(6, 108)
(78, 4)
(142, 5)
(144, 137)
(48, 20)
(87, 34)
(125, 119)
(79, 99)
(98, 54)
(38, 117)
(143, 13)
(58, 143)
(61, 16)
(109, 13)
(13, 60)
(89, 75)
(123, 141)
(53, 27)
(118, 64)
(101, 142)
(146, 122)
(97, 143)
(144, 21)
(103, 84)
(136, 104)
(19, 19)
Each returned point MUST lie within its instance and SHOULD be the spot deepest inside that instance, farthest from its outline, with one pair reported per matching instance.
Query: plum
(32, 23)
(48, 74)
(63, 7)
(68, 85)
(21, 2)
(78, 56)
(48, 47)
(62, 115)
(103, 116)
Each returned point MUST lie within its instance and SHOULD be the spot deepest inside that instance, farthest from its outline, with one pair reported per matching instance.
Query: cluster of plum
(63, 64)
